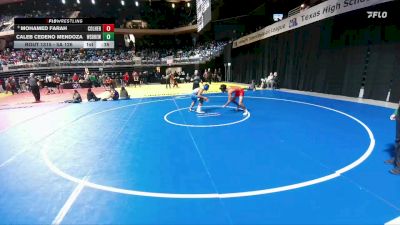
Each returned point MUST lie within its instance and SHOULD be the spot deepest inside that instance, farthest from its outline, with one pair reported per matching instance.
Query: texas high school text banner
(319, 12)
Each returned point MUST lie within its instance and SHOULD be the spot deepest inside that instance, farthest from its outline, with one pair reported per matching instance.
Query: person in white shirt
(269, 80)
(275, 80)
(50, 84)
(263, 82)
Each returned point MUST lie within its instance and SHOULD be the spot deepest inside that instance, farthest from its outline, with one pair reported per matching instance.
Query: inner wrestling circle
(214, 116)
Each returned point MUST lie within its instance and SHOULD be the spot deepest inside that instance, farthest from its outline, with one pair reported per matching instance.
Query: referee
(196, 81)
(34, 87)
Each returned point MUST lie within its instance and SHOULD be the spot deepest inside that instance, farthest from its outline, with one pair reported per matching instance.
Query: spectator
(75, 78)
(252, 86)
(214, 76)
(126, 79)
(50, 84)
(57, 82)
(187, 79)
(207, 75)
(263, 83)
(1, 85)
(7, 84)
(91, 97)
(10, 85)
(76, 98)
(94, 81)
(270, 80)
(167, 80)
(396, 160)
(275, 80)
(124, 94)
(136, 78)
(173, 79)
(113, 95)
(141, 78)
(108, 83)
(22, 84)
(219, 75)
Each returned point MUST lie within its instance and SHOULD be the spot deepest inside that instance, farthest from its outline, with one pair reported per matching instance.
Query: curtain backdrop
(335, 56)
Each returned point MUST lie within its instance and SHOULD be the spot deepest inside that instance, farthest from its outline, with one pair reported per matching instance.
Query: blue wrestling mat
(294, 159)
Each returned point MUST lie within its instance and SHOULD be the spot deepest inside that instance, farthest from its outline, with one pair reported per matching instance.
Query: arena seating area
(43, 58)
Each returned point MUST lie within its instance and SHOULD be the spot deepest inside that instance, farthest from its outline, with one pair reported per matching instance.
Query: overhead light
(122, 2)
(136, 3)
(173, 5)
(93, 2)
(78, 1)
(63, 2)
(188, 4)
(302, 5)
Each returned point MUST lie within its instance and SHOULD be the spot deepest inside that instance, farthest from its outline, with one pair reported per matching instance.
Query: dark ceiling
(222, 9)
(229, 17)
(232, 19)
(229, 9)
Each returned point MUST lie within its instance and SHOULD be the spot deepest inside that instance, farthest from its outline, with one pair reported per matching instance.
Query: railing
(115, 63)
(294, 11)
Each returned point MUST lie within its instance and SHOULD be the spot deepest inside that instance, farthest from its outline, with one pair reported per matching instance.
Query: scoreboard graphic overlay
(89, 33)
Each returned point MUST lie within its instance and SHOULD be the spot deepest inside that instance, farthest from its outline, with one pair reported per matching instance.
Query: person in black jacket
(34, 87)
(196, 81)
(396, 160)
(91, 97)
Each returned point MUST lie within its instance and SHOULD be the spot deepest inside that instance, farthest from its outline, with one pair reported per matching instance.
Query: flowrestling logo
(377, 14)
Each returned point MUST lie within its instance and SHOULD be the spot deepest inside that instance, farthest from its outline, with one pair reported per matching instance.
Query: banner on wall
(311, 15)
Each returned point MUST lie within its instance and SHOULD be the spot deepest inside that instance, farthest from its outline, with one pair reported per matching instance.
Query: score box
(89, 44)
(108, 27)
(88, 33)
(104, 44)
(108, 36)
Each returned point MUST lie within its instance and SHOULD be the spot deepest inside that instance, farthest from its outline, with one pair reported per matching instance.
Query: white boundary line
(12, 158)
(395, 221)
(30, 118)
(208, 115)
(336, 174)
(203, 115)
(71, 200)
(364, 101)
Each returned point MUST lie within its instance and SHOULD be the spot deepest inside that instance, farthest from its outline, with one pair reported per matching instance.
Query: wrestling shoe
(395, 171)
(389, 161)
